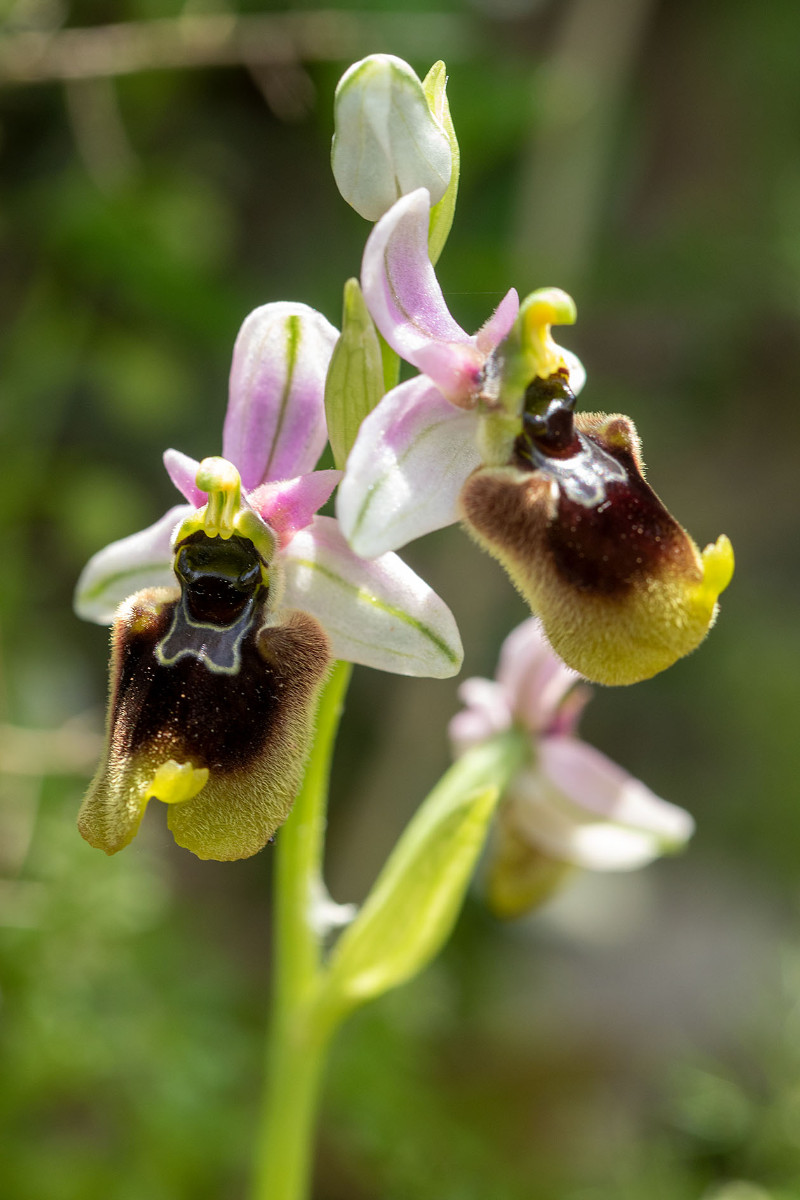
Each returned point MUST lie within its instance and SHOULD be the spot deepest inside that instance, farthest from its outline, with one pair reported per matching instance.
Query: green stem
(296, 1042)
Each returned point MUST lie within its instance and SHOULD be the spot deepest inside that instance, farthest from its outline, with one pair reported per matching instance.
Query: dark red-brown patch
(215, 720)
(605, 544)
(629, 536)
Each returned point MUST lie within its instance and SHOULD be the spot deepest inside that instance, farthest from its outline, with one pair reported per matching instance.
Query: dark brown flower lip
(185, 711)
(603, 529)
(612, 546)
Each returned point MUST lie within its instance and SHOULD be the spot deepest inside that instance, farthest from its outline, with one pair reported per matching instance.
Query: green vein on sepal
(366, 596)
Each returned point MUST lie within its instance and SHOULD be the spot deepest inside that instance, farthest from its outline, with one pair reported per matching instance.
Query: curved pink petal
(598, 786)
(406, 469)
(499, 324)
(290, 504)
(139, 561)
(534, 677)
(275, 423)
(455, 367)
(486, 713)
(182, 470)
(377, 613)
(400, 285)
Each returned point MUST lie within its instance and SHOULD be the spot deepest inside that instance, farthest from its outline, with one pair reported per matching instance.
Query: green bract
(355, 380)
(415, 901)
(434, 85)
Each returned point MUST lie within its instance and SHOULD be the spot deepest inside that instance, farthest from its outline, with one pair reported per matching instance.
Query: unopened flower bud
(387, 139)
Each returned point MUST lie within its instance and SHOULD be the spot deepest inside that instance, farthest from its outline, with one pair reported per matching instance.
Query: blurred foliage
(639, 1039)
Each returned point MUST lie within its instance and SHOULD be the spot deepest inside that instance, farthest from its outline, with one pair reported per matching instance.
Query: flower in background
(487, 434)
(570, 806)
(228, 611)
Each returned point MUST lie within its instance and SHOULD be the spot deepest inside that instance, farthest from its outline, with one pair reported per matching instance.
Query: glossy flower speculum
(223, 589)
(548, 421)
(582, 469)
(224, 579)
(219, 579)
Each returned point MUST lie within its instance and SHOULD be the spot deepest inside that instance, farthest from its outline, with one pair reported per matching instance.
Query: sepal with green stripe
(378, 613)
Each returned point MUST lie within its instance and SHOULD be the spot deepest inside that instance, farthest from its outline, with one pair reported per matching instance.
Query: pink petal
(406, 469)
(486, 713)
(500, 323)
(455, 368)
(290, 504)
(275, 423)
(534, 677)
(182, 470)
(401, 288)
(597, 785)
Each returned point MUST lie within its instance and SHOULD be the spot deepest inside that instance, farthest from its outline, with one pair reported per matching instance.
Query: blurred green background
(640, 1037)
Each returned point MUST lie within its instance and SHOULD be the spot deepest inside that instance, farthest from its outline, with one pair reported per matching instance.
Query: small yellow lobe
(173, 782)
(717, 568)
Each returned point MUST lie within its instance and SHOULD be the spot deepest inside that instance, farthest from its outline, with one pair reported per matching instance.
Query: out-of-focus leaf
(414, 903)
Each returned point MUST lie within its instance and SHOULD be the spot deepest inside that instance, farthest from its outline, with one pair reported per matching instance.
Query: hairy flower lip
(621, 587)
(237, 734)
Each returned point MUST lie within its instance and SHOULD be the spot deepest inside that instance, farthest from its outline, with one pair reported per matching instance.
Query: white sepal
(117, 571)
(380, 613)
(406, 469)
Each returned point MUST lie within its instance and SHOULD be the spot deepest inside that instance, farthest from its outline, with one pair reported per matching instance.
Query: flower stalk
(297, 1036)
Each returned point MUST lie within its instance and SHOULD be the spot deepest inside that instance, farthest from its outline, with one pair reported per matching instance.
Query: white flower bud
(387, 142)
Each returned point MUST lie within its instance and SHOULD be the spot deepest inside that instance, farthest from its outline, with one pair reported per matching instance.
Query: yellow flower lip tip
(718, 566)
(538, 312)
(220, 479)
(174, 783)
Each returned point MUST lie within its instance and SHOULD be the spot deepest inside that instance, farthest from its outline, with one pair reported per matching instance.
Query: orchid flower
(229, 610)
(487, 434)
(570, 806)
